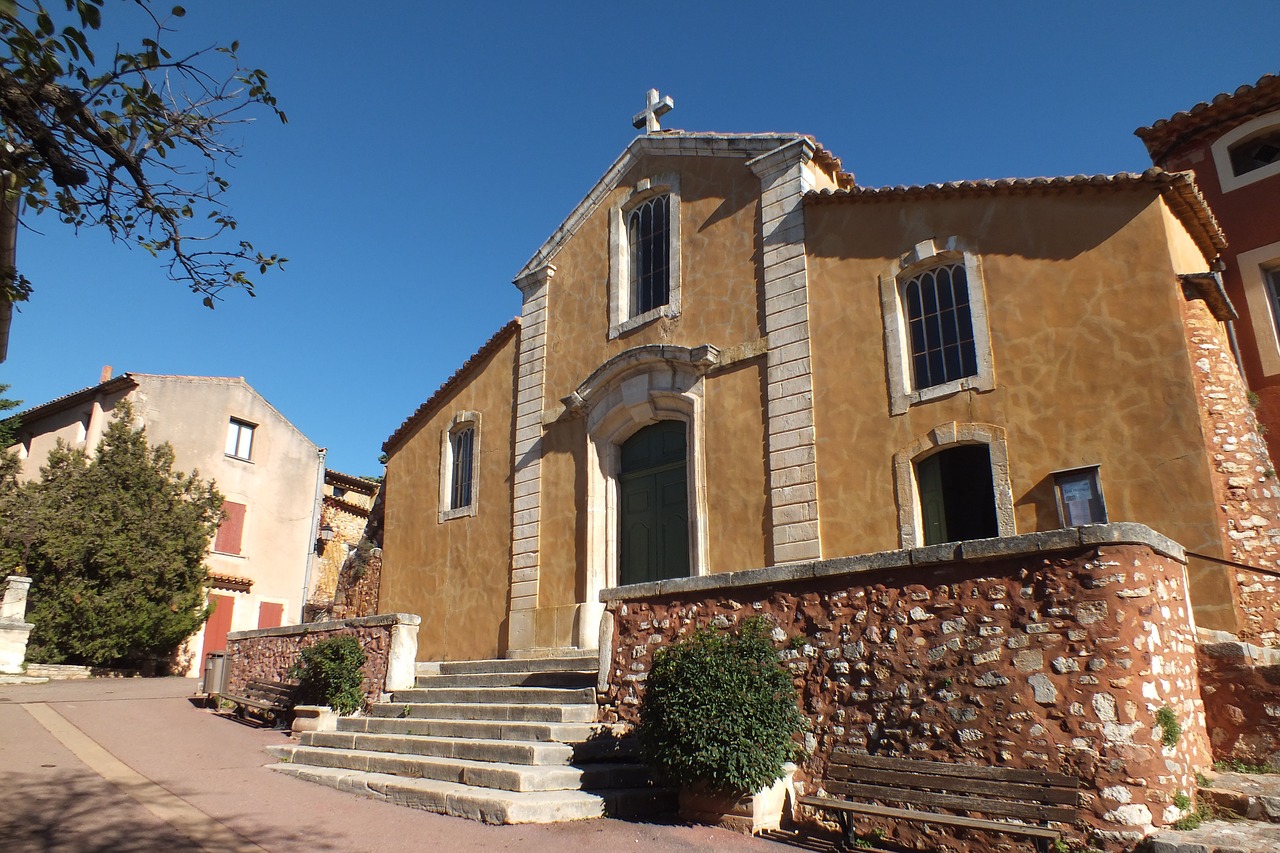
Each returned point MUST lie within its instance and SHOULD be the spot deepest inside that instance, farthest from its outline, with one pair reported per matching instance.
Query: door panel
(653, 511)
(218, 625)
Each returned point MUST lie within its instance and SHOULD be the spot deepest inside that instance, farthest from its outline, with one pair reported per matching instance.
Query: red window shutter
(270, 614)
(231, 529)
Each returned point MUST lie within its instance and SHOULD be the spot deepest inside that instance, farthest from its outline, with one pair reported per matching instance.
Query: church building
(730, 355)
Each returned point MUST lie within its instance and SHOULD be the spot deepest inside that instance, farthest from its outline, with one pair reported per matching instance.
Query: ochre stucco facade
(454, 573)
(775, 353)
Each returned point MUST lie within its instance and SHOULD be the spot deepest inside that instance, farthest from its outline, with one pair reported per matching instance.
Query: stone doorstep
(546, 678)
(1216, 836)
(499, 695)
(587, 662)
(537, 712)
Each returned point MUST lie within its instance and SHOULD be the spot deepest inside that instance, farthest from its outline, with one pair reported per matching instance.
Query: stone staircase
(1252, 801)
(500, 741)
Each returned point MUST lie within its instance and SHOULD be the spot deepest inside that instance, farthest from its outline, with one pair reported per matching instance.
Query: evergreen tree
(115, 546)
(8, 426)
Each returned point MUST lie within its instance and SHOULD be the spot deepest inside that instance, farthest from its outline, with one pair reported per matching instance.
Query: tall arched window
(648, 237)
(940, 326)
(459, 466)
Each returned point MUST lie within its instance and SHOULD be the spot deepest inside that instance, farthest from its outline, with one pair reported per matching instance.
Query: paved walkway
(129, 765)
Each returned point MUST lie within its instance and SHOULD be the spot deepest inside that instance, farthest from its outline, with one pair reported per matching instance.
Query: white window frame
(1221, 149)
(925, 255)
(460, 421)
(1255, 267)
(620, 319)
(236, 428)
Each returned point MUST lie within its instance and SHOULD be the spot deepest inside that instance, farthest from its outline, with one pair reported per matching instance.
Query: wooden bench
(1027, 800)
(270, 699)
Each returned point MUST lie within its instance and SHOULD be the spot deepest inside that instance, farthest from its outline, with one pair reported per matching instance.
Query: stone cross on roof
(655, 108)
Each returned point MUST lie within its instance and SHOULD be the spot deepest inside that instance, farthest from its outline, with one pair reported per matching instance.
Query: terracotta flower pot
(745, 813)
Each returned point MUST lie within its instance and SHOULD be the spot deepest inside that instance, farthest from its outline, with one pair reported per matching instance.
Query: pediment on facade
(663, 144)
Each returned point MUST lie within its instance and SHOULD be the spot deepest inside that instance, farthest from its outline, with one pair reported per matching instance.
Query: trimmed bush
(330, 674)
(719, 709)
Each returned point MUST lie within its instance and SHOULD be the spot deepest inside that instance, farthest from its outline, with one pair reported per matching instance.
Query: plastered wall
(454, 573)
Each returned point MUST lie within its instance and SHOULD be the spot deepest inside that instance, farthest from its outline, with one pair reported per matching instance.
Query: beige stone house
(270, 474)
(730, 355)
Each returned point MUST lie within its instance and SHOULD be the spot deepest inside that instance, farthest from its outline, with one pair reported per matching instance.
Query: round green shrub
(719, 709)
(330, 674)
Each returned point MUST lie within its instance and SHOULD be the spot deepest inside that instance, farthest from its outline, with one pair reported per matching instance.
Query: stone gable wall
(1055, 658)
(1244, 478)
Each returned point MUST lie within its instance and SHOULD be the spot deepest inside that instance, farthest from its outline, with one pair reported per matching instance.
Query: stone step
(595, 742)
(479, 729)
(1216, 836)
(451, 798)
(481, 774)
(498, 807)
(1248, 795)
(498, 751)
(557, 678)
(585, 661)
(498, 695)
(496, 712)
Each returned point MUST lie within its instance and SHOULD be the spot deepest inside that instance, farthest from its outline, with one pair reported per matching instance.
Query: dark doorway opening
(957, 497)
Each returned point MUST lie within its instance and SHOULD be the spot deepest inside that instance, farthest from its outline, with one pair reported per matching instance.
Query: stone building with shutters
(730, 355)
(270, 474)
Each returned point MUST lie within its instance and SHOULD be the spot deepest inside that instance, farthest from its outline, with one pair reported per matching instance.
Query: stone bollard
(14, 629)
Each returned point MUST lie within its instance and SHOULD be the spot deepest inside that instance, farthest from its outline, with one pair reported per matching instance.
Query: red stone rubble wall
(269, 654)
(1241, 689)
(1055, 660)
(1244, 477)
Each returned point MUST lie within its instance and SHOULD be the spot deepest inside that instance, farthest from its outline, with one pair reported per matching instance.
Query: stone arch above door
(632, 390)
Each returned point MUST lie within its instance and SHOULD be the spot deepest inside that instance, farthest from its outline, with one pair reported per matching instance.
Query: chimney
(106, 374)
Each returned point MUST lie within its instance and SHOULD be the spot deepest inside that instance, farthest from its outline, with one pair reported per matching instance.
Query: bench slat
(251, 702)
(1004, 774)
(931, 817)
(1026, 811)
(914, 779)
(273, 688)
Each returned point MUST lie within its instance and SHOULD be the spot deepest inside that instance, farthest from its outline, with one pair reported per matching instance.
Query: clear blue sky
(433, 147)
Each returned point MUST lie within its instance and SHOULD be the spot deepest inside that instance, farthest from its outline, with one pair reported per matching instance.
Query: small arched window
(1255, 152)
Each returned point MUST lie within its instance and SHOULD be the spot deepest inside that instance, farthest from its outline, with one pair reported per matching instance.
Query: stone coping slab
(334, 625)
(978, 550)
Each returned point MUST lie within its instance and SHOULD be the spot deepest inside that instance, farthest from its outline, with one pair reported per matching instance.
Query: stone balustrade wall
(1050, 651)
(390, 643)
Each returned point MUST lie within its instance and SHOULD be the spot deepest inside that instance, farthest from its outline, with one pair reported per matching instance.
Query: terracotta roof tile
(490, 346)
(230, 582)
(1178, 188)
(1225, 111)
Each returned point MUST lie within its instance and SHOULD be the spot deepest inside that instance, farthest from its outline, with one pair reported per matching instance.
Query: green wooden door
(933, 509)
(653, 512)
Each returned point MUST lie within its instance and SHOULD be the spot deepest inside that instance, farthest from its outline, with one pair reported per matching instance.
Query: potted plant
(718, 719)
